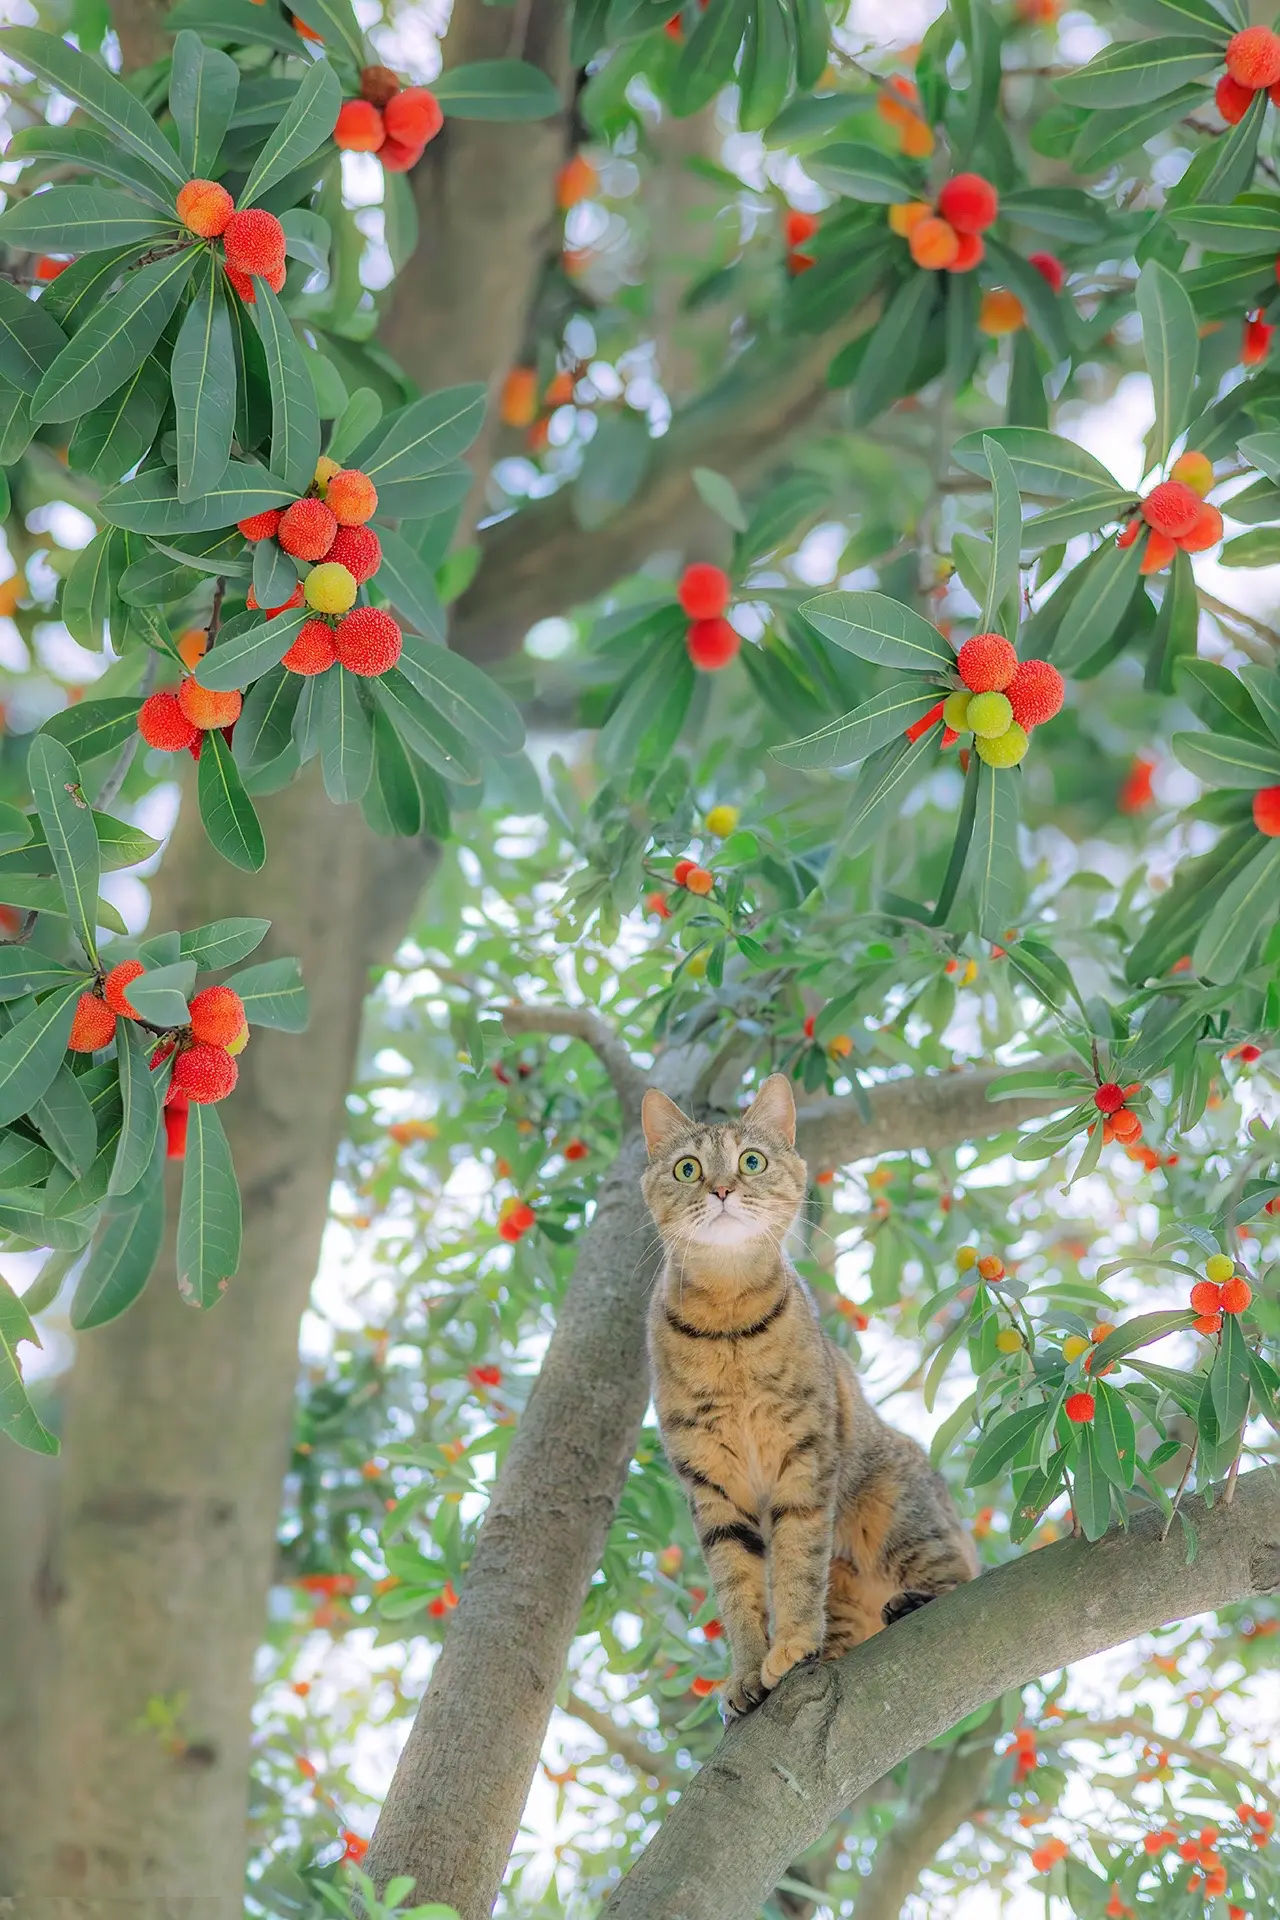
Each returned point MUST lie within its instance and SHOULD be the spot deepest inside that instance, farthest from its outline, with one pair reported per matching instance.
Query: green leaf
(88, 592)
(354, 424)
(18, 1417)
(295, 418)
(65, 1122)
(93, 152)
(160, 994)
(112, 105)
(67, 820)
(813, 37)
(1219, 699)
(425, 731)
(1091, 1489)
(843, 742)
(765, 77)
(32, 1051)
(1229, 938)
(877, 628)
(1177, 626)
(428, 434)
(466, 696)
(1006, 541)
(1248, 227)
(1110, 136)
(126, 1250)
(1261, 548)
(1141, 1331)
(93, 728)
(1044, 308)
(226, 809)
(706, 61)
(83, 220)
(265, 727)
(1192, 16)
(1096, 613)
(409, 585)
(890, 359)
(307, 123)
(208, 1250)
(994, 866)
(346, 738)
(113, 342)
(1263, 686)
(241, 657)
(140, 1110)
(202, 98)
(30, 339)
(150, 503)
(24, 971)
(308, 237)
(335, 21)
(1262, 450)
(220, 943)
(275, 575)
(1061, 213)
(862, 172)
(1042, 462)
(1230, 1378)
(203, 371)
(496, 90)
(1002, 1444)
(1135, 71)
(720, 494)
(878, 789)
(273, 995)
(1223, 760)
(393, 777)
(1058, 524)
(113, 436)
(1115, 1437)
(1171, 343)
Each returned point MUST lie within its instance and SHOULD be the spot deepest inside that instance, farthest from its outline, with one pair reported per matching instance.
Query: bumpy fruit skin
(359, 127)
(351, 497)
(712, 644)
(205, 208)
(306, 529)
(415, 117)
(1050, 269)
(1193, 470)
(1080, 1408)
(1001, 312)
(1172, 508)
(378, 84)
(699, 881)
(243, 285)
(359, 550)
(1109, 1098)
(1206, 532)
(217, 1016)
(986, 663)
(205, 709)
(1035, 693)
(955, 711)
(934, 243)
(1220, 1267)
(1008, 749)
(970, 251)
(261, 526)
(1253, 58)
(1232, 100)
(1125, 1125)
(115, 988)
(704, 591)
(368, 642)
(990, 715)
(205, 1074)
(163, 724)
(254, 242)
(1206, 1296)
(313, 651)
(1236, 1295)
(1266, 811)
(93, 1025)
(906, 214)
(969, 203)
(329, 588)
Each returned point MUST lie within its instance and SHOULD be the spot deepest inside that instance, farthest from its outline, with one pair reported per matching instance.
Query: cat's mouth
(724, 1224)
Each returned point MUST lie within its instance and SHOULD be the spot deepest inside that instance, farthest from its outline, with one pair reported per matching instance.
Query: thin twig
(124, 759)
(583, 1023)
(618, 1739)
(215, 612)
(1222, 611)
(1182, 1485)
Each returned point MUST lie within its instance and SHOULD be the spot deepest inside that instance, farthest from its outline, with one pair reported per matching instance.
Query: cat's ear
(662, 1120)
(774, 1108)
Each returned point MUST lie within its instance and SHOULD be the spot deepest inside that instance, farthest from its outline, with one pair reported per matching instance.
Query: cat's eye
(751, 1161)
(688, 1168)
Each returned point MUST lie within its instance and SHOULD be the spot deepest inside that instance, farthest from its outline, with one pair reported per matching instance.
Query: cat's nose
(723, 1192)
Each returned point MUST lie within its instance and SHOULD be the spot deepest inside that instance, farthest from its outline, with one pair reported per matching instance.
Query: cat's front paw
(783, 1655)
(743, 1692)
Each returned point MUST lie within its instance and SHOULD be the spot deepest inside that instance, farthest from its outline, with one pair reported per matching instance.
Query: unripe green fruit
(989, 715)
(1007, 749)
(955, 711)
(329, 588)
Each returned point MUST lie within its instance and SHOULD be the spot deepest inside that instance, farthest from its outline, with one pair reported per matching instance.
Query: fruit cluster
(1175, 515)
(704, 594)
(203, 1051)
(899, 104)
(798, 228)
(177, 718)
(515, 1217)
(1119, 1121)
(989, 1265)
(253, 241)
(1222, 1291)
(948, 237)
(999, 701)
(394, 122)
(1253, 66)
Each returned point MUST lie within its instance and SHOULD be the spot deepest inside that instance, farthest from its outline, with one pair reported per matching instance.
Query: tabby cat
(819, 1523)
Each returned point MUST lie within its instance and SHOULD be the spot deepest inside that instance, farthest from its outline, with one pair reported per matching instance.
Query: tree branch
(620, 1740)
(931, 1111)
(913, 1842)
(583, 1023)
(1101, 1731)
(779, 1778)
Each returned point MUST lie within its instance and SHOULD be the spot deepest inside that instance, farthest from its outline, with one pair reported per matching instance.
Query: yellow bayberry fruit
(905, 214)
(966, 1259)
(1073, 1346)
(1008, 748)
(1219, 1267)
(1008, 1340)
(325, 470)
(330, 588)
(955, 711)
(1195, 470)
(721, 821)
(989, 715)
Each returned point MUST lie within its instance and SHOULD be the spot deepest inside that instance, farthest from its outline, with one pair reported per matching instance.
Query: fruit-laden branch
(1101, 1731)
(932, 1111)
(582, 1023)
(913, 1842)
(779, 1778)
(454, 1806)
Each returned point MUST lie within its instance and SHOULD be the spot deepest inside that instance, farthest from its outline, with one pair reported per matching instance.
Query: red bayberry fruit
(934, 243)
(414, 117)
(1035, 693)
(254, 242)
(712, 644)
(351, 497)
(359, 550)
(396, 157)
(1232, 100)
(704, 591)
(205, 1074)
(1256, 342)
(986, 663)
(1236, 1295)
(206, 709)
(163, 724)
(797, 227)
(970, 251)
(217, 1016)
(261, 526)
(313, 650)
(1080, 1408)
(205, 208)
(115, 987)
(681, 871)
(359, 127)
(576, 1150)
(1253, 58)
(1109, 1098)
(1266, 811)
(175, 1125)
(1050, 269)
(307, 529)
(1206, 532)
(969, 203)
(1206, 1296)
(368, 642)
(1172, 508)
(93, 1025)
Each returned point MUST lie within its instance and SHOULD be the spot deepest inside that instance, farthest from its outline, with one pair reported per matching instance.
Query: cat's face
(724, 1186)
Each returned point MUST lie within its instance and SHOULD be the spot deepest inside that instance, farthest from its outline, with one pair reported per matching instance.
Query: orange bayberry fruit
(1208, 1323)
(681, 871)
(657, 903)
(699, 881)
(261, 526)
(1052, 1851)
(576, 180)
(163, 724)
(798, 226)
(295, 600)
(217, 1016)
(205, 207)
(1236, 1295)
(703, 591)
(986, 663)
(1035, 693)
(915, 138)
(1159, 552)
(1050, 269)
(933, 243)
(518, 401)
(969, 203)
(359, 127)
(1253, 58)
(1109, 1098)
(93, 1025)
(1001, 312)
(1232, 100)
(368, 642)
(359, 550)
(1194, 470)
(306, 529)
(991, 1267)
(116, 986)
(1266, 811)
(1080, 1408)
(1206, 532)
(906, 214)
(313, 650)
(254, 242)
(413, 117)
(968, 254)
(1125, 1125)
(701, 1686)
(712, 644)
(206, 709)
(1172, 508)
(205, 1074)
(1206, 1296)
(351, 497)
(378, 84)
(192, 647)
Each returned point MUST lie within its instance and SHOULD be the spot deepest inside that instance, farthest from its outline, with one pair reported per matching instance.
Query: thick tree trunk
(150, 1584)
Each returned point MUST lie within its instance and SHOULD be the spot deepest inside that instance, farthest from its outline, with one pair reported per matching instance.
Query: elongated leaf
(1230, 1379)
(862, 172)
(220, 943)
(1002, 1444)
(306, 125)
(879, 789)
(1249, 227)
(1056, 525)
(295, 418)
(393, 776)
(140, 1110)
(32, 1051)
(160, 994)
(354, 424)
(204, 387)
(94, 727)
(30, 339)
(96, 153)
(466, 696)
(335, 22)
(1096, 612)
(114, 341)
(208, 1249)
(765, 77)
(496, 90)
(880, 629)
(88, 592)
(244, 656)
(1091, 1489)
(273, 995)
(994, 866)
(1141, 1331)
(67, 820)
(24, 971)
(841, 743)
(410, 586)
(1114, 1436)
(18, 1418)
(346, 739)
(83, 220)
(202, 98)
(150, 504)
(426, 731)
(1135, 71)
(226, 809)
(428, 434)
(1006, 542)
(1223, 760)
(1263, 685)
(66, 1123)
(1042, 462)
(1263, 450)
(120, 112)
(1171, 343)
(1248, 909)
(112, 437)
(127, 1248)
(889, 362)
(265, 727)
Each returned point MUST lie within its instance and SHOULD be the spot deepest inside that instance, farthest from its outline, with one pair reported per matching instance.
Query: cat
(819, 1524)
